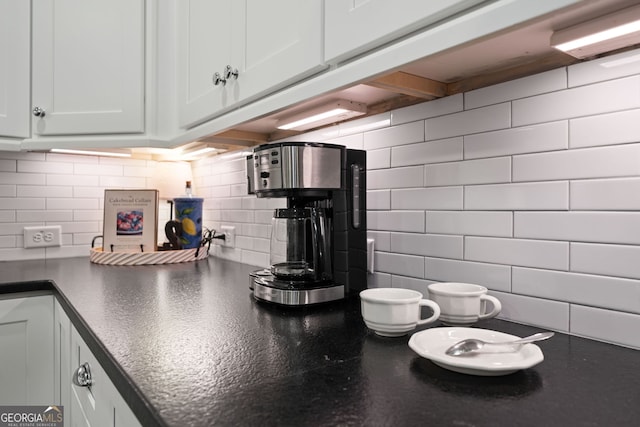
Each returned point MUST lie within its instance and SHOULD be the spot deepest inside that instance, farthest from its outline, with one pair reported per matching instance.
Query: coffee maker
(319, 241)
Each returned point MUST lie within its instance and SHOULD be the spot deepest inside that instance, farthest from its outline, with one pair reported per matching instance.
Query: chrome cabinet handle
(229, 72)
(82, 376)
(38, 112)
(218, 79)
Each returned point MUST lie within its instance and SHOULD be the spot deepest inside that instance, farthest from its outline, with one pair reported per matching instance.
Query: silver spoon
(471, 344)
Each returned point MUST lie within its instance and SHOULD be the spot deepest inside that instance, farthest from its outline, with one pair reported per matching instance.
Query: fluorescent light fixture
(603, 34)
(91, 152)
(335, 111)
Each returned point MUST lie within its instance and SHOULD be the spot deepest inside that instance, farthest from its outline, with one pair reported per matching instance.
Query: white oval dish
(432, 344)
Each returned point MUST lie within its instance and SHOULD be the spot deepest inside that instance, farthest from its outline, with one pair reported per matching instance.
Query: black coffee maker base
(264, 290)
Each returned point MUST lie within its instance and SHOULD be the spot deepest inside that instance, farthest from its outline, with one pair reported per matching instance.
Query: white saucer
(432, 344)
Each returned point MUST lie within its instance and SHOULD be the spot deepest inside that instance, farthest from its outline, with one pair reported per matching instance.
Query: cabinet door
(283, 44)
(271, 45)
(353, 27)
(26, 346)
(87, 406)
(15, 46)
(206, 29)
(61, 356)
(88, 66)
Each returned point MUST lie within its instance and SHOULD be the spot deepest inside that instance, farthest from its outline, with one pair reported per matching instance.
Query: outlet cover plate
(42, 237)
(229, 236)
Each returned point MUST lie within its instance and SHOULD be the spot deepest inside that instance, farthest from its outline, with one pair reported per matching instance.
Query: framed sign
(130, 221)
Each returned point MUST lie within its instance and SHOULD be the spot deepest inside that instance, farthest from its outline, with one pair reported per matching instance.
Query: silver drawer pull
(82, 376)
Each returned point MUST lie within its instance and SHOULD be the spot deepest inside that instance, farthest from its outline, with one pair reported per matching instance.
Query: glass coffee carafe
(299, 245)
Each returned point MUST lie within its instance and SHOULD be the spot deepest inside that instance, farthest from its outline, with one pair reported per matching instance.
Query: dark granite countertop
(186, 345)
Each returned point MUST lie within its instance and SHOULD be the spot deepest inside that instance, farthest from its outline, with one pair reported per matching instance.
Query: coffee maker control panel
(268, 167)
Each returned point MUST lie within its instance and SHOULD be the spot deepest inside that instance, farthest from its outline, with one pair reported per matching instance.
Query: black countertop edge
(131, 394)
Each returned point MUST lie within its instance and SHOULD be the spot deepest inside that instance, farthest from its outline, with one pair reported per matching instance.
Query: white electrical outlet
(42, 237)
(229, 236)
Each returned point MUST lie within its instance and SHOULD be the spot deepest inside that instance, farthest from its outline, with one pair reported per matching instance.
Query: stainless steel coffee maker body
(318, 242)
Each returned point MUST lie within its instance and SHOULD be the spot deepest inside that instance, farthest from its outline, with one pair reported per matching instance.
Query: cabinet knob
(38, 112)
(218, 79)
(82, 376)
(229, 72)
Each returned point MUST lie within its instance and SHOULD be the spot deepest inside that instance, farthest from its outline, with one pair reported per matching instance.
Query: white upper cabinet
(15, 40)
(88, 67)
(256, 47)
(355, 26)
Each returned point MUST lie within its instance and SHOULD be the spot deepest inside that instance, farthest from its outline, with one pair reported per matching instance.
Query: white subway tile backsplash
(493, 276)
(526, 139)
(584, 289)
(9, 178)
(427, 198)
(379, 199)
(544, 313)
(92, 169)
(72, 203)
(435, 245)
(122, 182)
(605, 227)
(404, 265)
(606, 325)
(606, 68)
(606, 129)
(444, 150)
(518, 252)
(8, 191)
(355, 141)
(608, 260)
(599, 162)
(409, 221)
(379, 280)
(615, 95)
(8, 165)
(21, 203)
(468, 122)
(395, 178)
(259, 259)
(605, 194)
(7, 241)
(27, 166)
(7, 216)
(382, 240)
(43, 216)
(474, 223)
(439, 107)
(397, 135)
(379, 159)
(483, 171)
(69, 180)
(405, 282)
(549, 81)
(527, 196)
(42, 191)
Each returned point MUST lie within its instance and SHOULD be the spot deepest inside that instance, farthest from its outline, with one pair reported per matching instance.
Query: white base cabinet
(98, 404)
(38, 361)
(26, 343)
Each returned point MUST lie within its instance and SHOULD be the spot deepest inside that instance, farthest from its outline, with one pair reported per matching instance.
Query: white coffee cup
(463, 304)
(393, 312)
